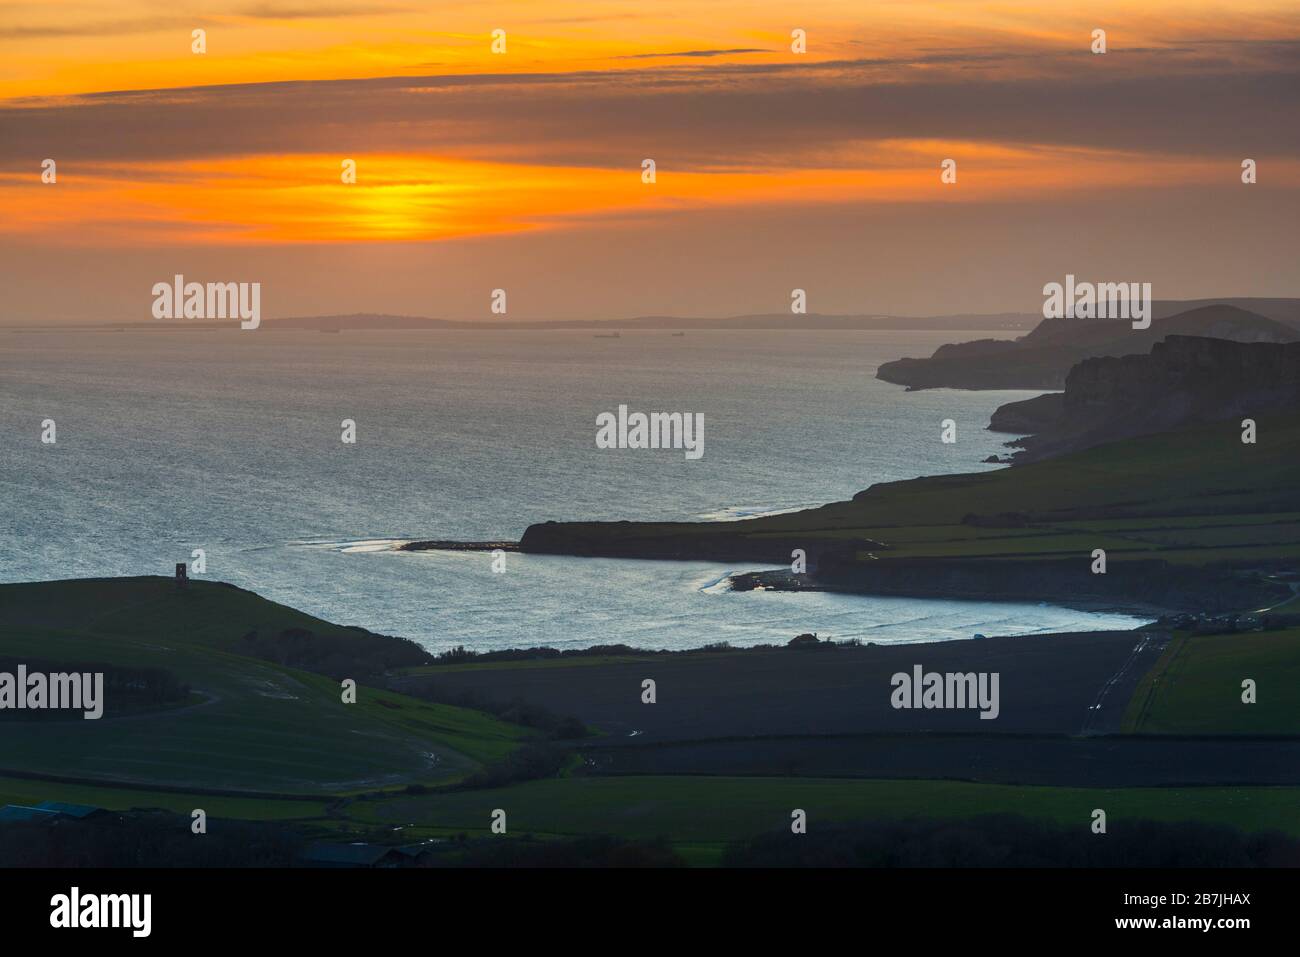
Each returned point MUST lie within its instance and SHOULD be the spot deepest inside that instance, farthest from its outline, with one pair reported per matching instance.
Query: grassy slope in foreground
(1193, 498)
(29, 792)
(258, 726)
(719, 809)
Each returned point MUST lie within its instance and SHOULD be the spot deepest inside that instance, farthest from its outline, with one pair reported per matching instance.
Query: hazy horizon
(1013, 320)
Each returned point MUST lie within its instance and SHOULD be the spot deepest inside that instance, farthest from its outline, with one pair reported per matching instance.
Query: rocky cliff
(1038, 414)
(1184, 380)
(1043, 358)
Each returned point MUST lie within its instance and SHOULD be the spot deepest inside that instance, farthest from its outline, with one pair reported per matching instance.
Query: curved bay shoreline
(1155, 591)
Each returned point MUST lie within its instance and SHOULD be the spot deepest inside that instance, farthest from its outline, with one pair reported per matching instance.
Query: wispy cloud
(318, 11)
(695, 118)
(692, 53)
(66, 27)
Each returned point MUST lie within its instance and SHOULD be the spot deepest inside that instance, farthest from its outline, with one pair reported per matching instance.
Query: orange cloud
(301, 198)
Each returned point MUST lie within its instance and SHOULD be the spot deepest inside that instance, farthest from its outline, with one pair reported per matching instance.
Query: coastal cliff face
(1043, 358)
(708, 541)
(1184, 380)
(1029, 415)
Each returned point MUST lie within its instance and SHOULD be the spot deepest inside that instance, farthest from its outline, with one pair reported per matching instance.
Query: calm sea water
(230, 442)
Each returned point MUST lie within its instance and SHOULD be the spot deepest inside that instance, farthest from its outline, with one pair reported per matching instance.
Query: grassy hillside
(249, 724)
(212, 615)
(31, 791)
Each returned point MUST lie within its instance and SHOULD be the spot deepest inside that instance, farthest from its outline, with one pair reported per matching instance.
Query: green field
(1196, 687)
(30, 792)
(709, 810)
(1289, 607)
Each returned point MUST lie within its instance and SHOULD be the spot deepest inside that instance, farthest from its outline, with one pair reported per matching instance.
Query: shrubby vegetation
(516, 711)
(1007, 840)
(162, 839)
(358, 654)
(126, 688)
(462, 655)
(153, 839)
(528, 763)
(581, 852)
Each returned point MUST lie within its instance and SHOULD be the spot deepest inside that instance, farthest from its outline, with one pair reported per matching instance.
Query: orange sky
(61, 47)
(239, 148)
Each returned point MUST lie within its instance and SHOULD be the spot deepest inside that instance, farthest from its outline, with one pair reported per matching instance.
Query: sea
(230, 441)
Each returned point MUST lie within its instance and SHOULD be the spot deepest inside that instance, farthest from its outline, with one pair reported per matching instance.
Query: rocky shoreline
(1149, 589)
(434, 545)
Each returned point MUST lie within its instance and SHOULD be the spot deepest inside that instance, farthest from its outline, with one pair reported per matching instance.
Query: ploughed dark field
(826, 711)
(1048, 685)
